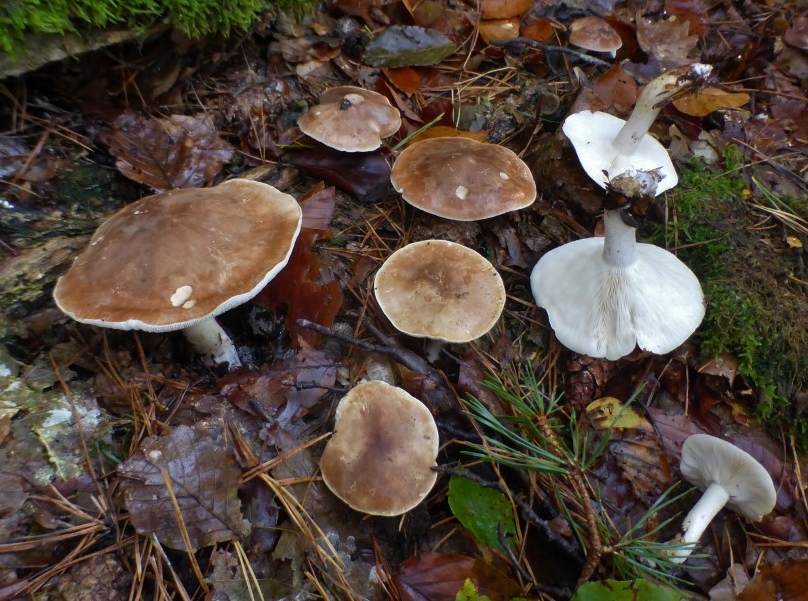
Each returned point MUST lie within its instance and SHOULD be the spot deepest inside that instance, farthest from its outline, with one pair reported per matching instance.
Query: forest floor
(129, 470)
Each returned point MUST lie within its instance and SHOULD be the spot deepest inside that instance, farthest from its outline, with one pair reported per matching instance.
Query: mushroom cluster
(605, 296)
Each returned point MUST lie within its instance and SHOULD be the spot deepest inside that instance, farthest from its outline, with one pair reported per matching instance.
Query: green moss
(192, 17)
(755, 308)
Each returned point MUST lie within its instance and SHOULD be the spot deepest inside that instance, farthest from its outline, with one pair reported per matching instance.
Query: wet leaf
(635, 445)
(504, 9)
(486, 512)
(318, 207)
(364, 175)
(669, 40)
(408, 46)
(616, 87)
(438, 577)
(499, 30)
(540, 30)
(626, 590)
(178, 152)
(405, 79)
(695, 12)
(204, 479)
(306, 289)
(704, 102)
(786, 581)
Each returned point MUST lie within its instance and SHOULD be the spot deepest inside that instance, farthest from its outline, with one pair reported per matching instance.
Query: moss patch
(753, 281)
(199, 17)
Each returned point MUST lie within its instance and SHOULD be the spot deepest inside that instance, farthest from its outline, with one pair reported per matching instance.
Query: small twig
(438, 396)
(550, 48)
(569, 548)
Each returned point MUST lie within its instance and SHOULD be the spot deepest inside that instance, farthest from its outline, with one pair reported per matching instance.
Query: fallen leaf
(364, 175)
(540, 30)
(626, 590)
(439, 576)
(695, 12)
(616, 87)
(786, 581)
(499, 30)
(668, 40)
(405, 79)
(178, 152)
(703, 102)
(486, 512)
(444, 131)
(504, 9)
(724, 365)
(203, 478)
(635, 445)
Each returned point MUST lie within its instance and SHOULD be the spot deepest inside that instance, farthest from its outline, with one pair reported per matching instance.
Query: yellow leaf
(706, 101)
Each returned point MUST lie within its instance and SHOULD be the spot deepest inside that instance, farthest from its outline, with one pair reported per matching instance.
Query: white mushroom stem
(647, 108)
(620, 240)
(712, 501)
(208, 339)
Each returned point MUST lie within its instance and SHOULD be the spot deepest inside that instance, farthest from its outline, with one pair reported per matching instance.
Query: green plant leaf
(469, 592)
(624, 590)
(484, 511)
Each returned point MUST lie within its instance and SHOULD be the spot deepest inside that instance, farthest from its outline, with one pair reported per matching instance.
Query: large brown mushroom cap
(351, 119)
(594, 33)
(462, 179)
(440, 289)
(385, 441)
(171, 260)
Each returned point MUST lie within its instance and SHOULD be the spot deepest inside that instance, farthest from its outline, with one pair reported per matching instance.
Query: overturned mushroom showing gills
(729, 477)
(173, 261)
(462, 179)
(605, 143)
(385, 442)
(604, 296)
(441, 290)
(351, 119)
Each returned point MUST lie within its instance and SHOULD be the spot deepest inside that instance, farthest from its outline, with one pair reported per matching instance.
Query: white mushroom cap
(606, 143)
(709, 460)
(729, 477)
(602, 306)
(384, 445)
(592, 134)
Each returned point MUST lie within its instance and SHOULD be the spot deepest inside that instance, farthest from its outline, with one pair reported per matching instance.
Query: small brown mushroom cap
(440, 289)
(594, 33)
(385, 441)
(171, 260)
(462, 179)
(351, 119)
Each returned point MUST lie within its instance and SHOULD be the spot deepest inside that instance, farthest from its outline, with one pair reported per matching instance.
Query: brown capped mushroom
(594, 33)
(351, 119)
(441, 290)
(462, 179)
(384, 445)
(173, 261)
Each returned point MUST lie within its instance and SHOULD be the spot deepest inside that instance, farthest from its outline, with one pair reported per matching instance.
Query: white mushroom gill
(604, 296)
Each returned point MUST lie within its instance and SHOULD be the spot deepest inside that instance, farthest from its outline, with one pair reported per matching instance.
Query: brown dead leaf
(724, 365)
(786, 581)
(499, 30)
(703, 102)
(695, 12)
(540, 30)
(668, 40)
(635, 445)
(616, 88)
(318, 207)
(204, 479)
(405, 79)
(306, 288)
(177, 152)
(439, 576)
(504, 9)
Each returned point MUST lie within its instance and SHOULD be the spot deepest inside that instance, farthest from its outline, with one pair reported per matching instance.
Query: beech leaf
(704, 102)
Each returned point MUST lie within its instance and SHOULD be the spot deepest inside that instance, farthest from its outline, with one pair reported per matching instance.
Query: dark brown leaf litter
(181, 487)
